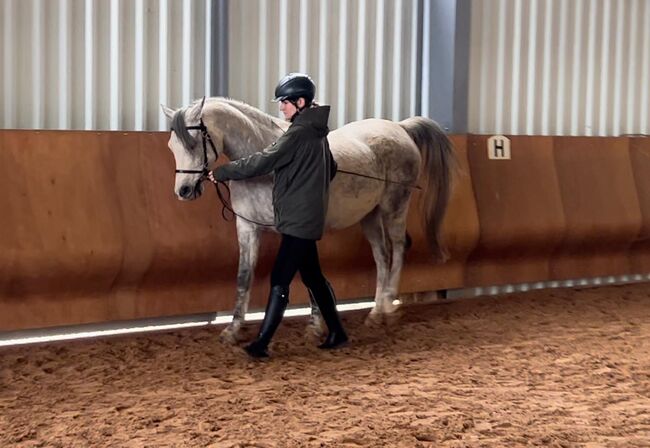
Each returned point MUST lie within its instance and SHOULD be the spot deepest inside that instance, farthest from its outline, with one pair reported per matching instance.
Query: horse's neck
(245, 129)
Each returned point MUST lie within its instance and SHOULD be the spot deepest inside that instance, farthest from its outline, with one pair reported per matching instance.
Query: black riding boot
(326, 301)
(278, 300)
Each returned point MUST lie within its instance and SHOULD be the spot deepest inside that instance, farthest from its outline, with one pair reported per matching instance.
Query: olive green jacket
(303, 167)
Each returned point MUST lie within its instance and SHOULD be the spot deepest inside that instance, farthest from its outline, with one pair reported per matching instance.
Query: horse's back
(387, 139)
(372, 128)
(373, 147)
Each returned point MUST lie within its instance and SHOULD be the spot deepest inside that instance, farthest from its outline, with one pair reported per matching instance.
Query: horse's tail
(439, 162)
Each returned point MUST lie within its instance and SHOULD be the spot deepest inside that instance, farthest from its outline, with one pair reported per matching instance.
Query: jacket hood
(316, 118)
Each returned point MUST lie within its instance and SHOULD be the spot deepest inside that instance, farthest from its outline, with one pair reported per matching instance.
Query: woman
(303, 167)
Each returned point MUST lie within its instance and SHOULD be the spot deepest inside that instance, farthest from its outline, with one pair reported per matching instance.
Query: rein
(225, 201)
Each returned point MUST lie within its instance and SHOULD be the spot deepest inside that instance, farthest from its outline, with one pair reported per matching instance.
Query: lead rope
(226, 206)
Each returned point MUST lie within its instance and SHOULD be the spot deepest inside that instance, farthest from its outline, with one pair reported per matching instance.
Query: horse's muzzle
(186, 192)
(189, 192)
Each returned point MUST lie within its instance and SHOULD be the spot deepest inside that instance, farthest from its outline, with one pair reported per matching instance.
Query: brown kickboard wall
(92, 231)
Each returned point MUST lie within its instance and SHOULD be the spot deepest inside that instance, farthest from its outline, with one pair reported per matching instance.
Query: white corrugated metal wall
(362, 54)
(101, 64)
(560, 67)
(565, 67)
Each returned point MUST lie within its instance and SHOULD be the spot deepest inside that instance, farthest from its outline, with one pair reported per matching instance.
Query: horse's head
(194, 148)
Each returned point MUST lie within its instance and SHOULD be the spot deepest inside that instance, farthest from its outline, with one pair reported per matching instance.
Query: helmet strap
(298, 109)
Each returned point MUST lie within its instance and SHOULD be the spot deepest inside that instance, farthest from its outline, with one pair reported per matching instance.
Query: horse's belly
(351, 196)
(347, 206)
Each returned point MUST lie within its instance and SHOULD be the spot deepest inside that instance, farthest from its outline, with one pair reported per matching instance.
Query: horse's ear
(197, 112)
(169, 112)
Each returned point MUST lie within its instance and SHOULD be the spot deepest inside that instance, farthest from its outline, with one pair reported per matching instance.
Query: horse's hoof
(391, 307)
(314, 331)
(228, 336)
(374, 320)
(393, 317)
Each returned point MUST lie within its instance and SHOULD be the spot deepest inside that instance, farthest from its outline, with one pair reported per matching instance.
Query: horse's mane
(252, 113)
(179, 125)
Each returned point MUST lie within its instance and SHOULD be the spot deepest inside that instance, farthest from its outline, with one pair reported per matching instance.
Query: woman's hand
(211, 177)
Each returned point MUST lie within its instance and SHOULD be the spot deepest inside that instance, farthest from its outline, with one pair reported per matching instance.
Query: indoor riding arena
(124, 311)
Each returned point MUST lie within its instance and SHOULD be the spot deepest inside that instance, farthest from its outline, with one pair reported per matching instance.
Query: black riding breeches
(298, 255)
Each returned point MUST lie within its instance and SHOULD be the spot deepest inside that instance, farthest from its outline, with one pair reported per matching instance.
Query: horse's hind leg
(394, 220)
(374, 231)
(396, 227)
(248, 236)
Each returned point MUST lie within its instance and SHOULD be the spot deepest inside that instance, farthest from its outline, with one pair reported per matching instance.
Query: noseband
(205, 136)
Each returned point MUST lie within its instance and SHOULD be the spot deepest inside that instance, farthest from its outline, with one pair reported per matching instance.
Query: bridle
(205, 137)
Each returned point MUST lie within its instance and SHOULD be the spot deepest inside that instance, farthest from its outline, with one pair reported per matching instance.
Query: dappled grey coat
(303, 167)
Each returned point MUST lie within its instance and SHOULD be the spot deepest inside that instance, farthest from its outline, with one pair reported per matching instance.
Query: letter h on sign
(498, 147)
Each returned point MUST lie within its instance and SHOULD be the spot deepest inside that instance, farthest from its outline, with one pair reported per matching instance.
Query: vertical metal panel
(415, 25)
(218, 28)
(348, 47)
(186, 53)
(263, 58)
(546, 65)
(207, 54)
(361, 61)
(64, 63)
(343, 42)
(448, 56)
(88, 64)
(303, 37)
(578, 67)
(632, 68)
(283, 42)
(397, 63)
(483, 12)
(163, 64)
(618, 64)
(591, 59)
(89, 72)
(458, 77)
(577, 76)
(516, 64)
(8, 64)
(531, 91)
(114, 64)
(604, 76)
(379, 58)
(37, 64)
(322, 50)
(139, 90)
(426, 55)
(500, 63)
(644, 99)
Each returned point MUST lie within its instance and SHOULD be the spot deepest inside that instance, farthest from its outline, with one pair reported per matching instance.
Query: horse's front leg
(249, 242)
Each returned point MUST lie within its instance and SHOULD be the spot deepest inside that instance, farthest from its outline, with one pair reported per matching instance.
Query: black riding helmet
(294, 86)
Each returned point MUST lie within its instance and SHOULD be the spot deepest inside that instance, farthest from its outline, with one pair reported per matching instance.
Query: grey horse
(374, 148)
